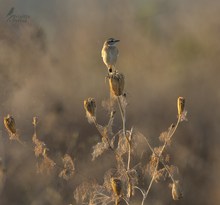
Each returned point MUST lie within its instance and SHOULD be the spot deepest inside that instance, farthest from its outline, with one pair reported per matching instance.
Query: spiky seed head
(180, 105)
(176, 191)
(116, 186)
(116, 83)
(9, 123)
(90, 107)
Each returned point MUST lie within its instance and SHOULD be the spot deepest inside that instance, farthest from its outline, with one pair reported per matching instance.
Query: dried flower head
(180, 105)
(116, 82)
(9, 123)
(35, 121)
(116, 186)
(176, 191)
(90, 107)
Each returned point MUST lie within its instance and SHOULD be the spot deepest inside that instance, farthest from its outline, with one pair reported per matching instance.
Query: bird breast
(110, 54)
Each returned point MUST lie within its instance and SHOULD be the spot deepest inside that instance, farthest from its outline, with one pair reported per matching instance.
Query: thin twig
(122, 114)
(161, 160)
(165, 143)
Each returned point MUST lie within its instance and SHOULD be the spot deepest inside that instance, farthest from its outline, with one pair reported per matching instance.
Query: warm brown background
(48, 66)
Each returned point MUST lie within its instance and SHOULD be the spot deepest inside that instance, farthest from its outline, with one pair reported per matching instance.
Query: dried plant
(10, 126)
(45, 164)
(69, 167)
(123, 179)
(90, 107)
(176, 191)
(181, 108)
(116, 187)
(131, 169)
(39, 147)
(116, 82)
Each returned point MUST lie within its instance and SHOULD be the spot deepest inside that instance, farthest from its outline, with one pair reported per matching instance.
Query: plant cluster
(131, 171)
(127, 145)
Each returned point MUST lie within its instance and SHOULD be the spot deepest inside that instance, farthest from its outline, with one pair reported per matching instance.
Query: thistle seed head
(180, 105)
(90, 107)
(9, 123)
(35, 121)
(116, 83)
(116, 186)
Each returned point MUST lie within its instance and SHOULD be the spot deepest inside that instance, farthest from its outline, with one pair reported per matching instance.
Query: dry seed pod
(180, 105)
(35, 121)
(116, 187)
(9, 123)
(90, 107)
(116, 82)
(176, 191)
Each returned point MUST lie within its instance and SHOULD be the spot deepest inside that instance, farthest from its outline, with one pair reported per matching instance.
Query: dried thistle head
(180, 105)
(35, 121)
(9, 123)
(176, 191)
(116, 83)
(116, 186)
(90, 107)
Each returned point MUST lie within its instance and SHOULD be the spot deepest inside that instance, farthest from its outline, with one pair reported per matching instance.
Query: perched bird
(9, 123)
(110, 53)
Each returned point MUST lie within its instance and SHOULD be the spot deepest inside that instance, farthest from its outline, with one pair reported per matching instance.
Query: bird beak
(117, 40)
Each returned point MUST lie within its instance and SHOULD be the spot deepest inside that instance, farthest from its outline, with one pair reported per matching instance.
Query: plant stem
(125, 200)
(165, 143)
(122, 111)
(122, 114)
(123, 117)
(143, 194)
(97, 127)
(165, 166)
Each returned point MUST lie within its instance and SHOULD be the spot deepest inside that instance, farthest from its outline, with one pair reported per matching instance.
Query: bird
(10, 11)
(109, 53)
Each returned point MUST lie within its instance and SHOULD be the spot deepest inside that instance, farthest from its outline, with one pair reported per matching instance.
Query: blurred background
(51, 62)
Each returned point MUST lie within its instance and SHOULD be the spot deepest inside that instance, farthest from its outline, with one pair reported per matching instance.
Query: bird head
(111, 41)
